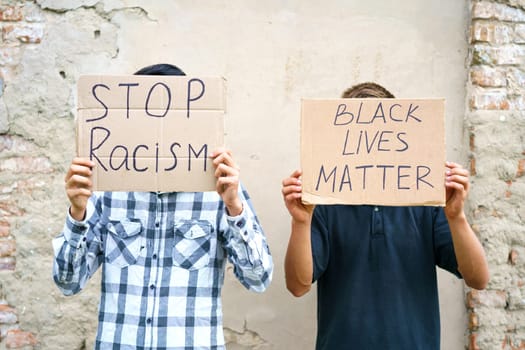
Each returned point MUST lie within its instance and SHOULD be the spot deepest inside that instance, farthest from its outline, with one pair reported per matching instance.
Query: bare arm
(298, 264)
(470, 255)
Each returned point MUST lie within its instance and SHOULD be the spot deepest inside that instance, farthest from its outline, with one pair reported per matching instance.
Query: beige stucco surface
(272, 54)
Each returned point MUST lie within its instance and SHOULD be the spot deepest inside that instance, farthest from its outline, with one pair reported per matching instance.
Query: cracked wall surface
(272, 54)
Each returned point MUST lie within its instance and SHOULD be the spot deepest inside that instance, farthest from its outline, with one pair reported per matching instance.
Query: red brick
(490, 10)
(488, 298)
(472, 166)
(10, 209)
(4, 328)
(7, 247)
(513, 257)
(510, 54)
(491, 32)
(4, 228)
(16, 144)
(521, 168)
(487, 76)
(8, 263)
(473, 321)
(519, 33)
(31, 34)
(489, 100)
(7, 314)
(16, 339)
(26, 165)
(11, 13)
(472, 344)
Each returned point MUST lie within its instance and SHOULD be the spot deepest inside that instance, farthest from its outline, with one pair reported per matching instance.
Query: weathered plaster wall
(495, 125)
(272, 54)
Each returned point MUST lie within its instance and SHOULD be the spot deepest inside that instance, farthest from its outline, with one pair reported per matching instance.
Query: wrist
(299, 224)
(78, 214)
(457, 218)
(235, 208)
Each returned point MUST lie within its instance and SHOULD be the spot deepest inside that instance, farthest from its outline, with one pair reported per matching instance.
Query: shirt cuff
(241, 224)
(75, 231)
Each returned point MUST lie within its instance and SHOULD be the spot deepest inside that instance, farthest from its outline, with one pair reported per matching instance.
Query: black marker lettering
(146, 108)
(92, 149)
(135, 158)
(102, 103)
(127, 95)
(322, 173)
(191, 99)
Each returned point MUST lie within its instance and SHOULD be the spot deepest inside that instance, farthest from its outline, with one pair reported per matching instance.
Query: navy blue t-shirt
(375, 269)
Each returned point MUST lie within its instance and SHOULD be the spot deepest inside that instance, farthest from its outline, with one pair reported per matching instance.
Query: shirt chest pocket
(191, 246)
(124, 241)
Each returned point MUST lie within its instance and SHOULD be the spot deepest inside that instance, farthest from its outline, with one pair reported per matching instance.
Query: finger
(225, 182)
(223, 155)
(79, 191)
(223, 170)
(80, 169)
(455, 186)
(291, 189)
(77, 181)
(457, 170)
(297, 174)
(460, 178)
(291, 181)
(294, 196)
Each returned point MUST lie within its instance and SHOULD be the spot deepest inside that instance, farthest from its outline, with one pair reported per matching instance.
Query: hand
(292, 193)
(78, 186)
(227, 174)
(457, 186)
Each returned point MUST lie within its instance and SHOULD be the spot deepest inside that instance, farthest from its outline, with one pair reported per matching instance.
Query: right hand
(78, 186)
(292, 193)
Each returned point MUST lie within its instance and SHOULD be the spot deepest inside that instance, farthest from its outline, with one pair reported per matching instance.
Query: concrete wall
(272, 54)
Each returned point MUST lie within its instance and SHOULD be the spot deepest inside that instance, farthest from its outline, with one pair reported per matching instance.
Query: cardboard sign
(150, 133)
(373, 151)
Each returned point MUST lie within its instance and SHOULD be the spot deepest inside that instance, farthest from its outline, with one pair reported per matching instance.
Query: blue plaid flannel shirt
(163, 258)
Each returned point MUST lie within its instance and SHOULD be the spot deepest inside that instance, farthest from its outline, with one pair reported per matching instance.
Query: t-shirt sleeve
(443, 246)
(320, 242)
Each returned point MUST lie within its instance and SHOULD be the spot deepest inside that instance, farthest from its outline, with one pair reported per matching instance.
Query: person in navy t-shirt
(375, 266)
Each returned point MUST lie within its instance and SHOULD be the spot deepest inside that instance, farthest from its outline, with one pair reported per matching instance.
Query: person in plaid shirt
(162, 254)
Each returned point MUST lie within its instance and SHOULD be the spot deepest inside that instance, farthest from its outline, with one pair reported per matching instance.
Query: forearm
(298, 264)
(470, 255)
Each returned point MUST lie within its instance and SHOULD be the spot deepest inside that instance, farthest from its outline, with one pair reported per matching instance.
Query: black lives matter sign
(373, 151)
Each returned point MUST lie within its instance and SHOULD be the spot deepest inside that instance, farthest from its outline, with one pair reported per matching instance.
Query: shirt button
(154, 256)
(152, 287)
(376, 209)
(157, 224)
(148, 321)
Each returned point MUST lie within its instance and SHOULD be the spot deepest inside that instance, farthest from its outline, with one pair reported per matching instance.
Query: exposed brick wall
(21, 25)
(495, 122)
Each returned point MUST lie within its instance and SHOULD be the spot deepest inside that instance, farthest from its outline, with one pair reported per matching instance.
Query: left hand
(227, 174)
(457, 187)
